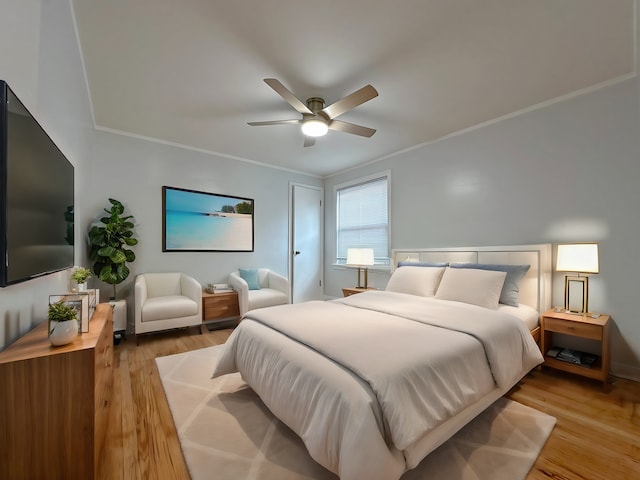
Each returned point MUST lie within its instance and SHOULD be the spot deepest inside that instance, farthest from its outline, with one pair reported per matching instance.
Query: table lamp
(581, 258)
(360, 257)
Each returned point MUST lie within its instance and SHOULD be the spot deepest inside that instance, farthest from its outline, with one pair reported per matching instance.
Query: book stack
(219, 288)
(573, 356)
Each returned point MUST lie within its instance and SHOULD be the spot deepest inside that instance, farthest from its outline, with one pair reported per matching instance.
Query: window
(362, 217)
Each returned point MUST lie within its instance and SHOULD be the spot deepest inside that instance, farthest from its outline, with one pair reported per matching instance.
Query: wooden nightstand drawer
(568, 327)
(217, 306)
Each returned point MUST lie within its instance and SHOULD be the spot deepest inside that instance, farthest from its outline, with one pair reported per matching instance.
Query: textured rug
(226, 432)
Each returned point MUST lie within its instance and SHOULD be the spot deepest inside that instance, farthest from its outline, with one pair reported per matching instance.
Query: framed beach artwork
(195, 221)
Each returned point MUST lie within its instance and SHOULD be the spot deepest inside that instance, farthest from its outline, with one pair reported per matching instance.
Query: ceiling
(191, 72)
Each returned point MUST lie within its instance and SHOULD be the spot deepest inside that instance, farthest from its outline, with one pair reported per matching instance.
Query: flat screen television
(36, 196)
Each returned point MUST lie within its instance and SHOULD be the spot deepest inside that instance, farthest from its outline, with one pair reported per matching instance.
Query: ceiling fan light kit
(314, 127)
(318, 119)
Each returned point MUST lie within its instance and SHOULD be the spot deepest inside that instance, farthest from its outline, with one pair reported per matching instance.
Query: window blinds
(363, 219)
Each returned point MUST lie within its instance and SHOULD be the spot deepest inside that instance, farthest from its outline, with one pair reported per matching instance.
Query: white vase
(61, 333)
(82, 287)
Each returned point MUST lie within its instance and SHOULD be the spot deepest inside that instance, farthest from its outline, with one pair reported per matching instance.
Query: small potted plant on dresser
(80, 275)
(63, 323)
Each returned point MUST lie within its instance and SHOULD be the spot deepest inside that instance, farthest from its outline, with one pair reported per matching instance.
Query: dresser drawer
(569, 327)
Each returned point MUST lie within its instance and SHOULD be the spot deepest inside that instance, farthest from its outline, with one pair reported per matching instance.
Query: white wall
(568, 172)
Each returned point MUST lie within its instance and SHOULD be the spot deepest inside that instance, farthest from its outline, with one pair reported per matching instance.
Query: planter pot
(61, 333)
(82, 287)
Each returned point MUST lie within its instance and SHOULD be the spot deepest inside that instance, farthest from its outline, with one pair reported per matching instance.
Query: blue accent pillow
(511, 288)
(250, 275)
(422, 264)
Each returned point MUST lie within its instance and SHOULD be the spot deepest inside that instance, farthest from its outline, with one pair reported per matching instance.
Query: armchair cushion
(250, 275)
(170, 306)
(267, 297)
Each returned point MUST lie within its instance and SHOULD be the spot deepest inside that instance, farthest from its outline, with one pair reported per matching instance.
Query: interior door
(306, 243)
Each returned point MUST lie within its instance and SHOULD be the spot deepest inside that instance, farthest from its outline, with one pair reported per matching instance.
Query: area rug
(226, 432)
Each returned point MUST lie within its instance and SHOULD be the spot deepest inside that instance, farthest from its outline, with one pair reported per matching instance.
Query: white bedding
(366, 380)
(528, 315)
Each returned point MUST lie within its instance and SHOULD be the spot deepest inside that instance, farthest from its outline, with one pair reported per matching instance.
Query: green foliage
(61, 312)
(244, 207)
(108, 245)
(228, 209)
(81, 274)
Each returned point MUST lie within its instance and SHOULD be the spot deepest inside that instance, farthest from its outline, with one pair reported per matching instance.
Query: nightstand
(582, 326)
(353, 290)
(219, 306)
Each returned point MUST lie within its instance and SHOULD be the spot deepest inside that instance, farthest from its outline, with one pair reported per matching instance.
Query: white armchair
(166, 300)
(274, 290)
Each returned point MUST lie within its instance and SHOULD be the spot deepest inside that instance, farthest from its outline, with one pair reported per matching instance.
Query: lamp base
(366, 278)
(575, 312)
(579, 286)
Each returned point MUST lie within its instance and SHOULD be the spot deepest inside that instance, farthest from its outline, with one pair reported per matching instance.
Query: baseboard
(622, 370)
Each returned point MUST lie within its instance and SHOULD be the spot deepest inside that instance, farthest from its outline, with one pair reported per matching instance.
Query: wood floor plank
(597, 436)
(130, 468)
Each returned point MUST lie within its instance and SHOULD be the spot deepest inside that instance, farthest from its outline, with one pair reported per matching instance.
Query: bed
(372, 383)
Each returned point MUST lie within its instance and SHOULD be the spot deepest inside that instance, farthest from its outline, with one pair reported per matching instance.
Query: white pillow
(468, 285)
(421, 281)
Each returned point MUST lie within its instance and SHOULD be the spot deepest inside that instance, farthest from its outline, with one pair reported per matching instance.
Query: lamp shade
(578, 257)
(360, 256)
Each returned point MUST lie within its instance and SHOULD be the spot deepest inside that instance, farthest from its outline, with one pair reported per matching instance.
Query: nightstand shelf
(580, 326)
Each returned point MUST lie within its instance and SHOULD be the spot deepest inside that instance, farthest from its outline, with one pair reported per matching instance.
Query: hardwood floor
(597, 436)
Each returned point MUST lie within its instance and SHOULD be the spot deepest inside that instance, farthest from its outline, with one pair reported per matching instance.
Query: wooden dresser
(54, 402)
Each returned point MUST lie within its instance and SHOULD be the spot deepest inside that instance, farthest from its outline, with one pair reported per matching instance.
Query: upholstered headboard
(535, 288)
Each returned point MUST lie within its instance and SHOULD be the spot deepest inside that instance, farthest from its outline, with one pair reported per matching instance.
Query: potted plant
(80, 275)
(63, 323)
(108, 245)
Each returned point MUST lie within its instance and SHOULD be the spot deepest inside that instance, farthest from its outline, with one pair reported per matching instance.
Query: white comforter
(364, 379)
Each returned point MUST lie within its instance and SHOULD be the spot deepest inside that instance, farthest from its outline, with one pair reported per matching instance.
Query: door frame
(291, 239)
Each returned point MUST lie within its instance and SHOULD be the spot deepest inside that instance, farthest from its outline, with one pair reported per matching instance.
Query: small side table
(219, 306)
(353, 290)
(582, 326)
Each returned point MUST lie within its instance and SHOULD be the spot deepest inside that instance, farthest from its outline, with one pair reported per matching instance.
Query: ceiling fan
(316, 118)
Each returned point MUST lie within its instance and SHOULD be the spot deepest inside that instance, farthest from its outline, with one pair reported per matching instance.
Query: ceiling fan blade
(309, 141)
(287, 95)
(273, 122)
(350, 101)
(347, 127)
